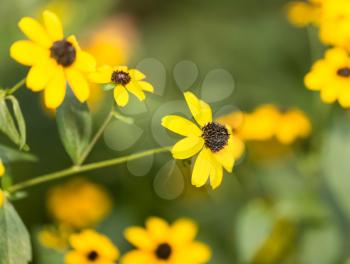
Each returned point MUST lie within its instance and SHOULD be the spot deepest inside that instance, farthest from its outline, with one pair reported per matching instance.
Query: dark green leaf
(15, 247)
(74, 126)
(7, 124)
(20, 121)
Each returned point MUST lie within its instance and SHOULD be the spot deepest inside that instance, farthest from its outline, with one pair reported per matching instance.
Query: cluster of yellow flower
(268, 122)
(330, 75)
(56, 60)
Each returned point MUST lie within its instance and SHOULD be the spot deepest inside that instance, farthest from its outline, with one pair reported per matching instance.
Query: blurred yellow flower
(213, 141)
(91, 247)
(302, 14)
(78, 203)
(2, 169)
(53, 59)
(2, 198)
(335, 23)
(161, 243)
(122, 80)
(55, 237)
(267, 122)
(331, 76)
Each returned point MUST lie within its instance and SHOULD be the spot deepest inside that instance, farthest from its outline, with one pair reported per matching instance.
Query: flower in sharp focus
(54, 60)
(331, 76)
(213, 141)
(90, 247)
(122, 80)
(161, 243)
(78, 203)
(2, 168)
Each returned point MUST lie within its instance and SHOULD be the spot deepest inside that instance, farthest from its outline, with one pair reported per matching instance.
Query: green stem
(83, 168)
(18, 85)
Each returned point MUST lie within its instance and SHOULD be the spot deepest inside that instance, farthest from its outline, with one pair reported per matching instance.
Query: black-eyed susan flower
(331, 76)
(78, 203)
(2, 168)
(123, 81)
(90, 247)
(214, 142)
(54, 60)
(161, 243)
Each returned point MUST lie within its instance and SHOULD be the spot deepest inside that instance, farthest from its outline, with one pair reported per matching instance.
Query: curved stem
(14, 88)
(83, 168)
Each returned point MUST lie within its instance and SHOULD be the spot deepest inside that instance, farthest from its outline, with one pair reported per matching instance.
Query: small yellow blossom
(214, 142)
(91, 247)
(302, 14)
(2, 169)
(54, 60)
(78, 203)
(55, 237)
(331, 76)
(161, 243)
(122, 80)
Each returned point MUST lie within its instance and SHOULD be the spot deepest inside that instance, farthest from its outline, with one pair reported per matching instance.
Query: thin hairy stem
(16, 87)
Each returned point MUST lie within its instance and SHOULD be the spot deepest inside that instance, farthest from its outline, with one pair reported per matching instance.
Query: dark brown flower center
(92, 255)
(215, 136)
(121, 77)
(344, 72)
(63, 52)
(163, 251)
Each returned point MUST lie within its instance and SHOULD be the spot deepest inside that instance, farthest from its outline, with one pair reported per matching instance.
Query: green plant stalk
(83, 168)
(16, 87)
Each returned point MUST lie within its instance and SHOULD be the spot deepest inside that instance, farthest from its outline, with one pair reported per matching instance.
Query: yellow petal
(34, 31)
(136, 75)
(121, 96)
(200, 110)
(344, 98)
(181, 126)
(201, 168)
(39, 75)
(329, 94)
(78, 84)
(199, 252)
(2, 168)
(234, 149)
(138, 237)
(55, 90)
(121, 68)
(136, 257)
(85, 62)
(73, 40)
(216, 174)
(183, 231)
(28, 53)
(53, 25)
(146, 86)
(136, 90)
(157, 228)
(103, 75)
(2, 198)
(187, 147)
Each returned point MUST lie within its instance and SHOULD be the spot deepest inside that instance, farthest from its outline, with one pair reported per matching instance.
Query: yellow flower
(335, 23)
(122, 80)
(55, 237)
(214, 142)
(54, 60)
(160, 243)
(292, 125)
(91, 247)
(331, 76)
(302, 14)
(2, 198)
(2, 169)
(78, 203)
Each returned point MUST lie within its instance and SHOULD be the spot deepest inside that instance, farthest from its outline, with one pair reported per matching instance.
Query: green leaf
(15, 247)
(20, 121)
(7, 124)
(108, 86)
(13, 155)
(74, 126)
